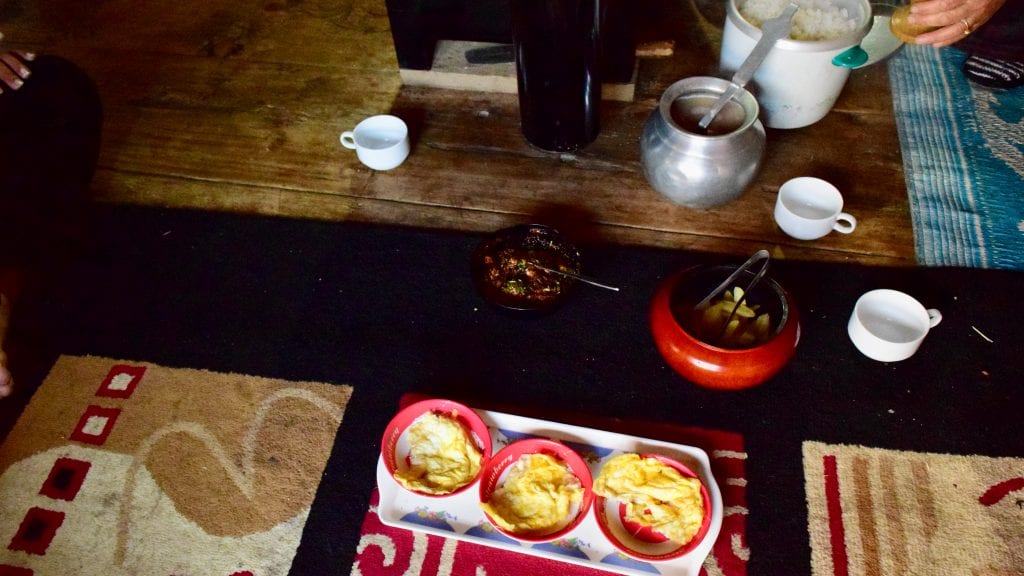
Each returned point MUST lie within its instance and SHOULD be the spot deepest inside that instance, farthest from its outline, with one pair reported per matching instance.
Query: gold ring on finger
(967, 26)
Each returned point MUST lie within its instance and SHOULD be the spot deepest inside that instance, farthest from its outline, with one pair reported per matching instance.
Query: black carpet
(391, 310)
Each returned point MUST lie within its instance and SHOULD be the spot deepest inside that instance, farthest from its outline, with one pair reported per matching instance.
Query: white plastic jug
(800, 80)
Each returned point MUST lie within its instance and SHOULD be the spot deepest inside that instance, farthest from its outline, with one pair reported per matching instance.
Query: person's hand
(14, 67)
(953, 19)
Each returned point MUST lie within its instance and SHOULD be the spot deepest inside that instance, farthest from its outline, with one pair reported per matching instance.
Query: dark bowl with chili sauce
(504, 271)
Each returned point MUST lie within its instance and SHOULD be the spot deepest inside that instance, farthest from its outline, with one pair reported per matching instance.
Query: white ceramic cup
(888, 325)
(381, 142)
(809, 208)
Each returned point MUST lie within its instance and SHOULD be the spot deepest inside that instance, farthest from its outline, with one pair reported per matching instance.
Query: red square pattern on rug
(65, 479)
(6, 570)
(37, 530)
(121, 381)
(95, 415)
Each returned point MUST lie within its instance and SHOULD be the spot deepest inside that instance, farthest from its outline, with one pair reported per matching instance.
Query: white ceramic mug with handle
(381, 142)
(889, 326)
(809, 208)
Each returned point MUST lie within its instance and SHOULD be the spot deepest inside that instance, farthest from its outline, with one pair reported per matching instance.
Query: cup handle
(348, 140)
(934, 317)
(853, 58)
(845, 223)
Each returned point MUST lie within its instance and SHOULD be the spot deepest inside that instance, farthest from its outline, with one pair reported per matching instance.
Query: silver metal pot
(695, 169)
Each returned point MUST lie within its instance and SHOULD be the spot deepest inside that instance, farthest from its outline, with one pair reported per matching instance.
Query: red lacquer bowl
(711, 365)
(394, 448)
(497, 468)
(642, 542)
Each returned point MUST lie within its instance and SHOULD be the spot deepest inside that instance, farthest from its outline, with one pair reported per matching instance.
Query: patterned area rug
(130, 468)
(874, 511)
(963, 154)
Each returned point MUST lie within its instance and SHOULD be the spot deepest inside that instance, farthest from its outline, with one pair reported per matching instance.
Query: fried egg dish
(656, 495)
(442, 455)
(540, 495)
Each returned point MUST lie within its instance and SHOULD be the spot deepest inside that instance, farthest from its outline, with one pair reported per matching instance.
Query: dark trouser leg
(1002, 37)
(49, 144)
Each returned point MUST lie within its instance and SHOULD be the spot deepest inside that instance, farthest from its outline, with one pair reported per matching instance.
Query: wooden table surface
(223, 105)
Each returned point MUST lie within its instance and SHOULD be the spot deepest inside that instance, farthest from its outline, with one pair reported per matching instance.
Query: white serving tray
(460, 517)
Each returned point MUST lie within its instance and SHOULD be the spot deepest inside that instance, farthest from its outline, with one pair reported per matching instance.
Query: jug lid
(685, 101)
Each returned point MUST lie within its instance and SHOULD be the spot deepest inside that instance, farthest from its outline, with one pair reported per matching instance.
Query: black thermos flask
(558, 48)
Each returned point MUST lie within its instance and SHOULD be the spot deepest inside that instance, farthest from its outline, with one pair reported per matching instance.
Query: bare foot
(6, 382)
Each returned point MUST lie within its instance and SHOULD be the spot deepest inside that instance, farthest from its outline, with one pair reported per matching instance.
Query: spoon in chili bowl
(573, 275)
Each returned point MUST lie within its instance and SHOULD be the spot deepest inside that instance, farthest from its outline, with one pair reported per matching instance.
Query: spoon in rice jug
(772, 30)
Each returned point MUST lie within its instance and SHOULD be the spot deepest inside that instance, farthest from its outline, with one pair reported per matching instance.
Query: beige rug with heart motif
(122, 468)
(875, 511)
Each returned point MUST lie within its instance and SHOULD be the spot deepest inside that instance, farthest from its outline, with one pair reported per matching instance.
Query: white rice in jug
(815, 20)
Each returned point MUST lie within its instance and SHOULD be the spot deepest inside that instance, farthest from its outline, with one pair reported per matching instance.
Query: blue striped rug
(963, 155)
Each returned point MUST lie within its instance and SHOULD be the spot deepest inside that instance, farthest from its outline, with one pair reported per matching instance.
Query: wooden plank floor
(237, 106)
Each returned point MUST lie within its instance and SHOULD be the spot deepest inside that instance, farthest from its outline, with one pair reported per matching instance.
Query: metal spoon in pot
(771, 31)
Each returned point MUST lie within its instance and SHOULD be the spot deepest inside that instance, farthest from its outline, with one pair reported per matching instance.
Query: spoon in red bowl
(745, 267)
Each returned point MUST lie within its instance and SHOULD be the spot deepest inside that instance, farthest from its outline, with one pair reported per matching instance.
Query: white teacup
(381, 142)
(888, 325)
(808, 208)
